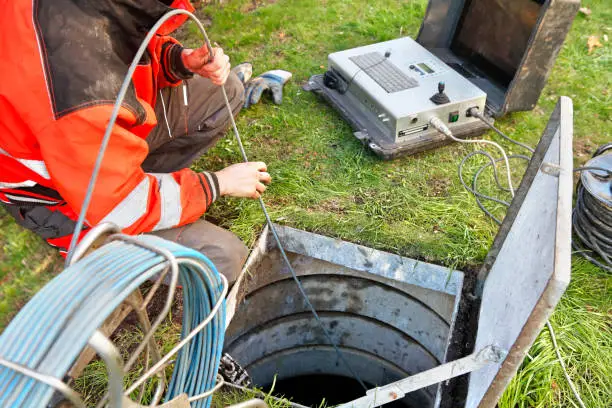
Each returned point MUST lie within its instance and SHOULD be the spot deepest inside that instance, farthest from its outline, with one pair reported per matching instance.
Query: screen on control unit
(426, 68)
(493, 35)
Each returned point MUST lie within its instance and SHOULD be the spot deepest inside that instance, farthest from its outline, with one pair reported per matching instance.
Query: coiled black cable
(592, 220)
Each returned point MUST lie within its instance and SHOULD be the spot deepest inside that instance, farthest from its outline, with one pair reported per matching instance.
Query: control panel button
(453, 117)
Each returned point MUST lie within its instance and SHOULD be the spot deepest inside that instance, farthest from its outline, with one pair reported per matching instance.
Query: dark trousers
(183, 134)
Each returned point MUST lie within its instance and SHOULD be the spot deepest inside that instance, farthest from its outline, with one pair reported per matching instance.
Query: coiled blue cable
(53, 328)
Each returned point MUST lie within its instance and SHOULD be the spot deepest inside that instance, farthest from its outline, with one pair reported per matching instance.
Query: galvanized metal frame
(334, 257)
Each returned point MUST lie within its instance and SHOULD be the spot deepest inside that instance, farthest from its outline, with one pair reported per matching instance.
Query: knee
(233, 254)
(237, 252)
(235, 92)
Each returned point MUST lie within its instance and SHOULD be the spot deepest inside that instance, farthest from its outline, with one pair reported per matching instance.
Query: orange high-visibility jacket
(62, 63)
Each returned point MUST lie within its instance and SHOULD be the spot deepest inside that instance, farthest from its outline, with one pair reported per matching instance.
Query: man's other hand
(197, 61)
(244, 180)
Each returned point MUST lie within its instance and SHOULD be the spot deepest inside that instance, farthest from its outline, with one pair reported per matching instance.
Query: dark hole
(310, 390)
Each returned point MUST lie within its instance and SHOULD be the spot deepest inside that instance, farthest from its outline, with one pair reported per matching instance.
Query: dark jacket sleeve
(171, 68)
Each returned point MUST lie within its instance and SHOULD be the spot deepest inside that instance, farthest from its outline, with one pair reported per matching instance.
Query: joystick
(440, 98)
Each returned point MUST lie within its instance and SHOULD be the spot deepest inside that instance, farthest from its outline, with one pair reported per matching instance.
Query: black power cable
(592, 218)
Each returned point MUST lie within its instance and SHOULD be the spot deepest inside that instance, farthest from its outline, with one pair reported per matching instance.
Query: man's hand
(197, 61)
(244, 180)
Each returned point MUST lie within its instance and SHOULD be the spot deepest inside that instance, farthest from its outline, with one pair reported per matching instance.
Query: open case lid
(505, 47)
(528, 267)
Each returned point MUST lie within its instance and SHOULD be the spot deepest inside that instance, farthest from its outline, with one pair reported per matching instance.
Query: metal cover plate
(529, 261)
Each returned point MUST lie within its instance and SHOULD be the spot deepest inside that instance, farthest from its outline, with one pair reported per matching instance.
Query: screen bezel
(479, 62)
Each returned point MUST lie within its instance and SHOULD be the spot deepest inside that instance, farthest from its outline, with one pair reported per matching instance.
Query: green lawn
(325, 182)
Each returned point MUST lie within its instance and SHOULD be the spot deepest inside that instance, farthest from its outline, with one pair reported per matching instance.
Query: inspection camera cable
(52, 329)
(442, 128)
(437, 124)
(113, 118)
(591, 219)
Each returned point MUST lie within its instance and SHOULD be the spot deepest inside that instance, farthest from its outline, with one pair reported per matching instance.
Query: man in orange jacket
(63, 62)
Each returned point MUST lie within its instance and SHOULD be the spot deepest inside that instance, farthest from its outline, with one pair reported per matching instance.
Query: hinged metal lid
(505, 47)
(528, 267)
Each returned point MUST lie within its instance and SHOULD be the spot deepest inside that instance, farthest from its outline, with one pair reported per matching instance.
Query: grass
(325, 182)
(582, 325)
(92, 384)
(26, 265)
(317, 165)
(233, 396)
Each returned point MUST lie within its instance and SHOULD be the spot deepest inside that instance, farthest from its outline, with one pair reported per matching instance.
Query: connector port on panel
(410, 131)
(468, 114)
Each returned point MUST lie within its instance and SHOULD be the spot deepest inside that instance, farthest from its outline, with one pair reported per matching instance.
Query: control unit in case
(491, 54)
(395, 84)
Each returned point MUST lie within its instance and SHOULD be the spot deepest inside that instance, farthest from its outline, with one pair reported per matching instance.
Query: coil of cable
(592, 216)
(53, 328)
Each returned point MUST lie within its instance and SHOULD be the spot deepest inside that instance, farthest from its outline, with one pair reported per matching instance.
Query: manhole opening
(391, 317)
(318, 389)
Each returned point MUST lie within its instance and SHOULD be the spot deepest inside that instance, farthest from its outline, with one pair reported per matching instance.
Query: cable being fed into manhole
(107, 134)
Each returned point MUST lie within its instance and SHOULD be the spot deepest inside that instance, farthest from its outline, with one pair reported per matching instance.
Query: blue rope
(53, 328)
